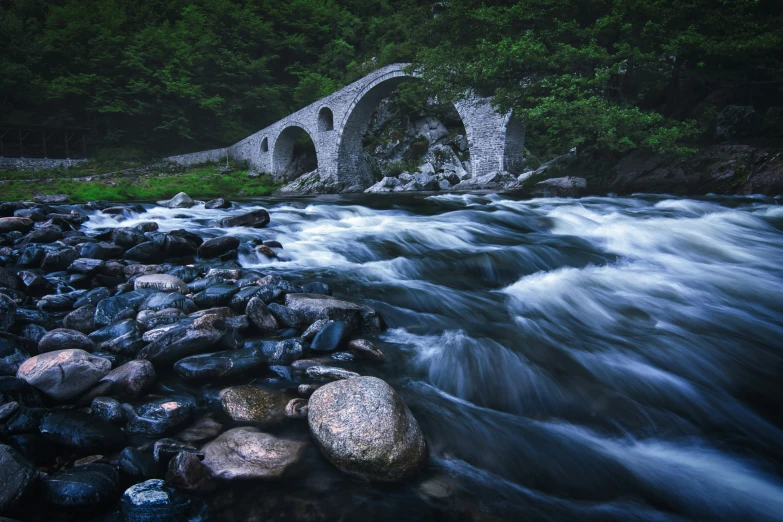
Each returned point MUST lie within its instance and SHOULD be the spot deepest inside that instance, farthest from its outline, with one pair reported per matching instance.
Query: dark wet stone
(146, 252)
(115, 309)
(342, 356)
(311, 307)
(35, 447)
(152, 501)
(82, 319)
(253, 404)
(151, 319)
(226, 273)
(112, 331)
(183, 341)
(16, 223)
(15, 389)
(162, 300)
(273, 244)
(127, 381)
(285, 372)
(329, 373)
(286, 352)
(160, 416)
(31, 256)
(44, 234)
(216, 295)
(185, 273)
(365, 429)
(201, 284)
(313, 330)
(64, 374)
(82, 432)
(165, 449)
(305, 390)
(217, 246)
(108, 409)
(215, 203)
(64, 339)
(17, 477)
(331, 336)
(365, 349)
(240, 300)
(92, 297)
(296, 409)
(9, 280)
(87, 485)
(24, 420)
(222, 364)
(266, 251)
(86, 266)
(288, 287)
(34, 332)
(35, 284)
(202, 429)
(256, 219)
(33, 214)
(25, 316)
(247, 453)
(7, 312)
(160, 283)
(55, 303)
(261, 316)
(186, 472)
(11, 357)
(127, 237)
(137, 463)
(284, 315)
(316, 288)
(59, 260)
(103, 251)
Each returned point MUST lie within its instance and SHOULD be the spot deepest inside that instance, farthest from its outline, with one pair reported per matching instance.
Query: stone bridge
(336, 124)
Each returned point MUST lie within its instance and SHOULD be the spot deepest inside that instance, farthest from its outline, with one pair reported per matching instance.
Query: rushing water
(593, 359)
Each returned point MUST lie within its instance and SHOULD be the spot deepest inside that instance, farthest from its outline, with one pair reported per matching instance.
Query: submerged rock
(64, 374)
(247, 453)
(365, 429)
(253, 404)
(186, 472)
(256, 219)
(217, 246)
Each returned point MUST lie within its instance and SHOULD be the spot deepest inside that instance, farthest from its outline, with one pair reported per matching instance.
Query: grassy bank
(202, 182)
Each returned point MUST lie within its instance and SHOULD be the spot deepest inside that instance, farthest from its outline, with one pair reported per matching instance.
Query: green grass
(200, 182)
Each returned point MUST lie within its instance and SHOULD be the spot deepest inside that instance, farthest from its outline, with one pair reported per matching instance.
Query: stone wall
(195, 158)
(37, 163)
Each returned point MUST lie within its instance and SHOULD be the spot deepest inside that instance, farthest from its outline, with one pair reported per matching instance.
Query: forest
(604, 76)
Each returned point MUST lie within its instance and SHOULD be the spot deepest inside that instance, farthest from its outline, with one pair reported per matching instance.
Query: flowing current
(592, 359)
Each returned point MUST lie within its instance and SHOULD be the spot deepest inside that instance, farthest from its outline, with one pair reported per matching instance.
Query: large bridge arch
(283, 148)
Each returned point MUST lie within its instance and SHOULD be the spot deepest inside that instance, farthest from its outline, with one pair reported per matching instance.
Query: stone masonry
(336, 124)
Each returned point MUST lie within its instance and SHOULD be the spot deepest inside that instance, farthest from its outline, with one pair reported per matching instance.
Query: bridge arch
(284, 144)
(325, 119)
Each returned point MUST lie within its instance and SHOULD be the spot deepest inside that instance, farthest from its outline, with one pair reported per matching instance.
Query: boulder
(102, 251)
(247, 453)
(566, 187)
(64, 339)
(255, 219)
(215, 295)
(386, 184)
(312, 307)
(18, 224)
(217, 246)
(17, 477)
(217, 203)
(82, 432)
(365, 429)
(82, 486)
(64, 374)
(44, 234)
(127, 237)
(161, 283)
(127, 381)
(183, 341)
(181, 200)
(145, 252)
(252, 404)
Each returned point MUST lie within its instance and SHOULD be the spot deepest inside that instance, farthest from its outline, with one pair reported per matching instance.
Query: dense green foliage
(167, 76)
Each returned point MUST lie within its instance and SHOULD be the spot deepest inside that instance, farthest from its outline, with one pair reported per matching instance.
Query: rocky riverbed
(142, 371)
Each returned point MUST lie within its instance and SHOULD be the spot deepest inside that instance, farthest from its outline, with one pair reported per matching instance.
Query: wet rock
(175, 246)
(17, 477)
(285, 316)
(330, 336)
(305, 390)
(82, 320)
(296, 409)
(152, 319)
(59, 260)
(365, 429)
(185, 273)
(153, 500)
(365, 349)
(17, 390)
(160, 283)
(35, 284)
(217, 246)
(18, 224)
(82, 432)
(55, 303)
(342, 356)
(115, 309)
(159, 416)
(203, 428)
(108, 409)
(34, 447)
(316, 288)
(86, 266)
(312, 307)
(112, 331)
(220, 365)
(146, 252)
(286, 352)
(165, 449)
(566, 187)
(34, 332)
(127, 381)
(266, 251)
(181, 200)
(7, 312)
(313, 330)
(186, 472)
(329, 373)
(127, 237)
(387, 184)
(216, 295)
(92, 297)
(11, 357)
(163, 300)
(64, 339)
(256, 219)
(261, 317)
(102, 251)
(183, 341)
(9, 280)
(252, 404)
(217, 203)
(137, 464)
(45, 234)
(64, 374)
(86, 485)
(247, 453)
(240, 300)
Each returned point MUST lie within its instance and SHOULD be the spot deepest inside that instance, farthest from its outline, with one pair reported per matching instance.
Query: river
(597, 359)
